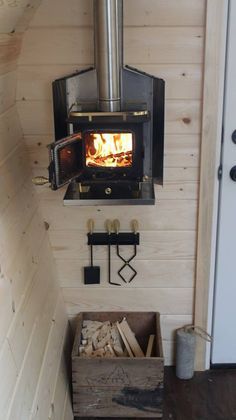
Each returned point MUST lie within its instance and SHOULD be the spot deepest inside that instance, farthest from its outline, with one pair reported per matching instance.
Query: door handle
(233, 173)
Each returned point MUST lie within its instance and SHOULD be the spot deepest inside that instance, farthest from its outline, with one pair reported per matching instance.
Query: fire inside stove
(109, 149)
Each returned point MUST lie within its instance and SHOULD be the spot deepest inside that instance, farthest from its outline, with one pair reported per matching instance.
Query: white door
(224, 318)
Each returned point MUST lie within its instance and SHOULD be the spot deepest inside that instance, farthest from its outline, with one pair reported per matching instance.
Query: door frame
(212, 118)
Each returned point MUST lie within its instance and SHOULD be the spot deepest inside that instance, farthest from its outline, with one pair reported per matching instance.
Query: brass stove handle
(90, 226)
(40, 180)
(116, 224)
(134, 224)
(108, 225)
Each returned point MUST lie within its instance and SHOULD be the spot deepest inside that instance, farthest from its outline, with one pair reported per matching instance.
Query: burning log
(118, 159)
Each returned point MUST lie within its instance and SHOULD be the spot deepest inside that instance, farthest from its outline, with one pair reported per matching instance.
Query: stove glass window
(109, 149)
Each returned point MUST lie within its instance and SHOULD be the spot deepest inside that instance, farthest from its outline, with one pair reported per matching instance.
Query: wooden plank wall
(33, 321)
(165, 38)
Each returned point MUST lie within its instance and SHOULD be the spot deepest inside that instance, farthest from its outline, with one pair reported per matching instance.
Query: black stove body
(109, 139)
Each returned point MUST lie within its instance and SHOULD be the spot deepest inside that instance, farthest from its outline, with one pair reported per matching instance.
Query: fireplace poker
(91, 273)
(109, 230)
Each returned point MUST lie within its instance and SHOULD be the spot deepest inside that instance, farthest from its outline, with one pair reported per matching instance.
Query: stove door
(66, 160)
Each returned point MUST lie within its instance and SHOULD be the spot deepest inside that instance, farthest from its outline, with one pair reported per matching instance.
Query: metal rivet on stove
(108, 191)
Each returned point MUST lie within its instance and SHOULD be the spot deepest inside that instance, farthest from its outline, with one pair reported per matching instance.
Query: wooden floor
(208, 396)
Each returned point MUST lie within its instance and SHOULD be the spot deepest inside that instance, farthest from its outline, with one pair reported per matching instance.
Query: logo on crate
(117, 377)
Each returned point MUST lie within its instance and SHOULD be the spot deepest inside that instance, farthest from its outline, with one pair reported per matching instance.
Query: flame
(109, 149)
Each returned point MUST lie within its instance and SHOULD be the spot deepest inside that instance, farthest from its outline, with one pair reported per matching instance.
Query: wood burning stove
(109, 124)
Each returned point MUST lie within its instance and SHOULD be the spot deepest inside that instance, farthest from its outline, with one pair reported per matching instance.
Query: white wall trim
(213, 93)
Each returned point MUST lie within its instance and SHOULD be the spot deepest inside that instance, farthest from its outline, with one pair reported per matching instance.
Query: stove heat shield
(109, 124)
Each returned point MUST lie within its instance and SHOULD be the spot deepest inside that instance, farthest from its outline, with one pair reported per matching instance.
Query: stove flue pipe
(108, 41)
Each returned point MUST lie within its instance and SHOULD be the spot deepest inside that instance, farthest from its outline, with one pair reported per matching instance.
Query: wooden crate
(119, 386)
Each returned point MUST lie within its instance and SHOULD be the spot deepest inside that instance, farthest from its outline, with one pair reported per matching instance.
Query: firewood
(124, 340)
(81, 349)
(117, 341)
(150, 345)
(95, 339)
(102, 343)
(93, 324)
(98, 353)
(130, 337)
(109, 347)
(88, 350)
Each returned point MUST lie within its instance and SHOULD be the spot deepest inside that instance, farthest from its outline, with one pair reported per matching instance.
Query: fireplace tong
(113, 236)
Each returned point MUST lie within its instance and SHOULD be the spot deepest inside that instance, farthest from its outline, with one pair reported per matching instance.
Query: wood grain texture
(10, 132)
(166, 214)
(51, 361)
(7, 90)
(182, 117)
(27, 272)
(12, 12)
(27, 381)
(10, 47)
(62, 380)
(164, 245)
(128, 386)
(211, 144)
(164, 38)
(18, 164)
(9, 372)
(183, 81)
(165, 300)
(150, 13)
(67, 412)
(156, 274)
(74, 45)
(134, 402)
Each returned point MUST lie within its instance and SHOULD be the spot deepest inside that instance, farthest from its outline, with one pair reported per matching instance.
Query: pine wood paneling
(10, 132)
(24, 264)
(28, 290)
(14, 222)
(6, 306)
(165, 38)
(213, 96)
(182, 117)
(36, 117)
(167, 300)
(27, 381)
(67, 412)
(7, 90)
(163, 45)
(143, 45)
(166, 215)
(167, 245)
(11, 12)
(153, 274)
(165, 13)
(150, 13)
(169, 352)
(170, 323)
(62, 382)
(18, 164)
(10, 46)
(8, 374)
(183, 81)
(33, 307)
(57, 46)
(50, 364)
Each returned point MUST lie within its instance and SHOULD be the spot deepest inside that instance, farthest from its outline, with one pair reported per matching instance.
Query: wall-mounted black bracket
(128, 238)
